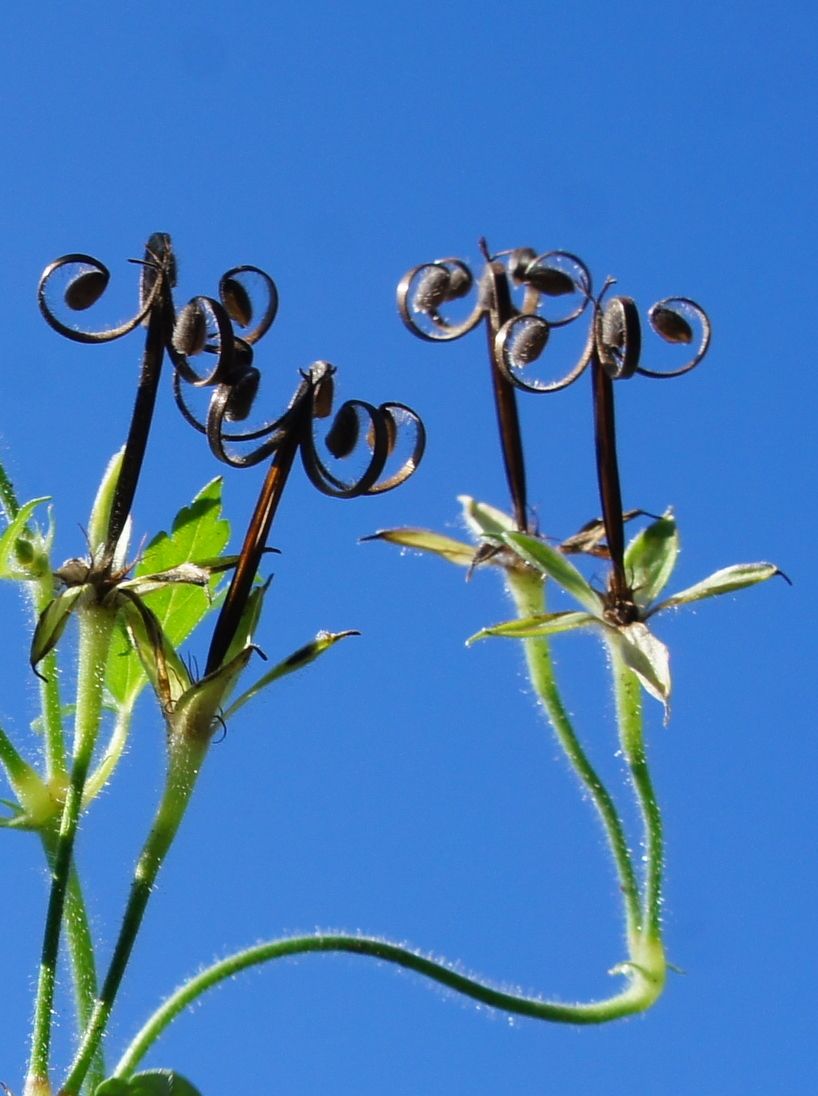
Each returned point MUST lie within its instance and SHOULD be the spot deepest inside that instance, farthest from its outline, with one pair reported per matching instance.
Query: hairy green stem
(638, 996)
(96, 624)
(80, 950)
(631, 736)
(527, 591)
(186, 759)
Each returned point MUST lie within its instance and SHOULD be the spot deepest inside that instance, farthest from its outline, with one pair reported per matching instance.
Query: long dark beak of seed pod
(500, 311)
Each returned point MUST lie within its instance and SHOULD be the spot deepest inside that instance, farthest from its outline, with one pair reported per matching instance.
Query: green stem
(631, 736)
(96, 624)
(186, 759)
(527, 590)
(638, 996)
(80, 951)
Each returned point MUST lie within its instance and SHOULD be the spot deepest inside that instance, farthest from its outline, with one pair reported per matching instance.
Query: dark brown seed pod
(528, 341)
(432, 289)
(343, 434)
(613, 326)
(190, 329)
(549, 280)
(460, 282)
(323, 395)
(85, 289)
(670, 324)
(520, 260)
(236, 301)
(390, 423)
(242, 394)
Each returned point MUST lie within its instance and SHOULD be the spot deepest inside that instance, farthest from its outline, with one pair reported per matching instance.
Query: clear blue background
(405, 786)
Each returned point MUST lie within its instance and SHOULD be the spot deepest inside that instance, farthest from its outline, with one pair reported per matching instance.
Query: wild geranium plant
(553, 290)
(134, 609)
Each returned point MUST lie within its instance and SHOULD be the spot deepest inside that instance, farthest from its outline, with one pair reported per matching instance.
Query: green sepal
(646, 655)
(554, 564)
(424, 540)
(198, 712)
(650, 558)
(296, 661)
(101, 510)
(543, 624)
(160, 661)
(484, 520)
(720, 582)
(153, 1082)
(23, 553)
(51, 623)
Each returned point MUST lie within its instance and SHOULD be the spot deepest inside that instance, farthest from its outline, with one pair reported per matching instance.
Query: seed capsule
(85, 289)
(190, 329)
(236, 301)
(670, 324)
(343, 434)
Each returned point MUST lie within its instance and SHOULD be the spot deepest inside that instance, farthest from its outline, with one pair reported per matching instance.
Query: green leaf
(424, 540)
(296, 661)
(198, 535)
(15, 563)
(554, 564)
(153, 1082)
(724, 581)
(543, 624)
(650, 558)
(484, 520)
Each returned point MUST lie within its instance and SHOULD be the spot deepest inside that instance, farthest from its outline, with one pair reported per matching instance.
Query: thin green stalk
(81, 952)
(638, 996)
(96, 624)
(186, 760)
(631, 736)
(527, 592)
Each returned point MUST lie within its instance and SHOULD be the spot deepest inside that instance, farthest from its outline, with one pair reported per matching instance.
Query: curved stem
(186, 759)
(638, 996)
(96, 624)
(527, 591)
(631, 736)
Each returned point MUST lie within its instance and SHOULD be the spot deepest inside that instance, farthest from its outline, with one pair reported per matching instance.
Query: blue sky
(405, 786)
